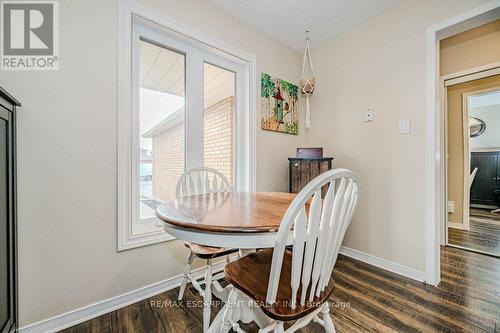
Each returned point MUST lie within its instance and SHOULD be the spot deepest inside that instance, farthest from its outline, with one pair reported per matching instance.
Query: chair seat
(250, 274)
(208, 252)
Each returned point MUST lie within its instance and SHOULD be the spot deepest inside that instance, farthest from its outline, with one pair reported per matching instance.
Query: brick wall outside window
(168, 149)
(168, 161)
(218, 138)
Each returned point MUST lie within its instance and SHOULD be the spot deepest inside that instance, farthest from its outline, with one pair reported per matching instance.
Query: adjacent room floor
(368, 299)
(483, 234)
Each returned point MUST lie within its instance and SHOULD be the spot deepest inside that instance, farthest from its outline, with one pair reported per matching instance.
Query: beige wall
(472, 48)
(455, 141)
(381, 65)
(68, 167)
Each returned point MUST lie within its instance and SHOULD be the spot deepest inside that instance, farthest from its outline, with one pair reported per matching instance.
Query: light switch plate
(369, 116)
(404, 126)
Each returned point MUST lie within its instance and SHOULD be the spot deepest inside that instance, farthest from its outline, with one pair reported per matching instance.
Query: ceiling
(287, 20)
(163, 70)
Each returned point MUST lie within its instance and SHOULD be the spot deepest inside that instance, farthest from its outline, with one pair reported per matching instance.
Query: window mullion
(241, 119)
(194, 108)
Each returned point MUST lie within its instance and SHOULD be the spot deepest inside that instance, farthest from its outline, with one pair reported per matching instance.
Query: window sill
(144, 240)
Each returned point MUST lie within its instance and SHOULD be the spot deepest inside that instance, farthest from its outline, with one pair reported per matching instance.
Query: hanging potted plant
(307, 80)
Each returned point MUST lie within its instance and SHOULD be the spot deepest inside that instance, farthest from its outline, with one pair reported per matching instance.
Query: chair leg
(327, 320)
(207, 296)
(185, 278)
(228, 312)
(280, 328)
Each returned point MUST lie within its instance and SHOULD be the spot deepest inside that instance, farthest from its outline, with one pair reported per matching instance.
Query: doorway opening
(473, 163)
(436, 194)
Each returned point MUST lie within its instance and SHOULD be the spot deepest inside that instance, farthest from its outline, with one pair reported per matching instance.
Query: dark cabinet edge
(9, 103)
(485, 152)
(310, 159)
(8, 97)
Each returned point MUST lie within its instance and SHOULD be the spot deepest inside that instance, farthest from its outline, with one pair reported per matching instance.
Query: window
(189, 107)
(161, 131)
(218, 127)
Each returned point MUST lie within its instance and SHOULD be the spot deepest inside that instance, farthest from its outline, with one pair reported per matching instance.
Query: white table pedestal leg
(238, 308)
(244, 252)
(220, 292)
(217, 290)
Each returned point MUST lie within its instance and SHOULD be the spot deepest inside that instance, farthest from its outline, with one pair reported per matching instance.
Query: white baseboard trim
(384, 264)
(97, 309)
(457, 226)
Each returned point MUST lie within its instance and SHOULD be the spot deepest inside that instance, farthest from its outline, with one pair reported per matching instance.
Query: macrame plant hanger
(307, 79)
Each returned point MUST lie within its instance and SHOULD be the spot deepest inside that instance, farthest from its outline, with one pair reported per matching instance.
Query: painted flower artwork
(279, 105)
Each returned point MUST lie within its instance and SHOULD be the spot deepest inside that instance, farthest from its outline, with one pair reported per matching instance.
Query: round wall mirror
(476, 127)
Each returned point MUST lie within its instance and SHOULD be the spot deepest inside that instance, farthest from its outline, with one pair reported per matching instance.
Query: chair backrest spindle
(200, 181)
(318, 227)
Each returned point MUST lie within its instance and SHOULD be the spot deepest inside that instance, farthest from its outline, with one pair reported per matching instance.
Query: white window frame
(137, 21)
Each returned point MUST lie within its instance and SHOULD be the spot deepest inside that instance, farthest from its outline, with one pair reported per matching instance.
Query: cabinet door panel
(304, 173)
(295, 177)
(313, 169)
(5, 302)
(485, 181)
(323, 167)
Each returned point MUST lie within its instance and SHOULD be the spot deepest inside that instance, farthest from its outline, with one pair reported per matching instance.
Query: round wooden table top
(235, 212)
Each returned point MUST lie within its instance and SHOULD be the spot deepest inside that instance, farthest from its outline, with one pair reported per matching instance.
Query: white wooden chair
(472, 176)
(192, 182)
(295, 285)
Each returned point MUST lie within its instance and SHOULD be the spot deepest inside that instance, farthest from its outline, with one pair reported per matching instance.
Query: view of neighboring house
(168, 154)
(168, 146)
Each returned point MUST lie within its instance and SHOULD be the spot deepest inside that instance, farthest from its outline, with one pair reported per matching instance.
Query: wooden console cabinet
(303, 170)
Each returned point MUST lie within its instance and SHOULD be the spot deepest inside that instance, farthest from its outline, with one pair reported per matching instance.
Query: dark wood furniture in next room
(8, 232)
(487, 181)
(302, 170)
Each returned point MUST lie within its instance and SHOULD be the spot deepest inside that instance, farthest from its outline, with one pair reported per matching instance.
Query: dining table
(241, 220)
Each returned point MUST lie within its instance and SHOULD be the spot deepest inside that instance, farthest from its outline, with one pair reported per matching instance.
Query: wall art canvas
(279, 105)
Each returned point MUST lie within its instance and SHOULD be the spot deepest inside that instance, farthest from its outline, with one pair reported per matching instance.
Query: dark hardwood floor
(365, 299)
(483, 234)
(485, 214)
